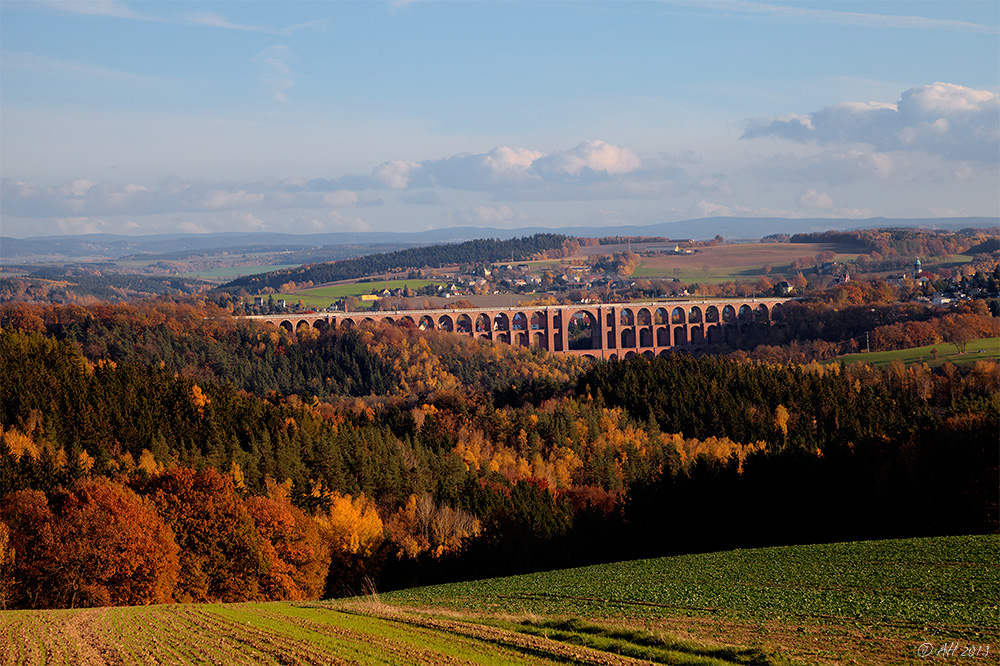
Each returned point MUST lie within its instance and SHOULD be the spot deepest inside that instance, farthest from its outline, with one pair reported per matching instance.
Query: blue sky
(153, 117)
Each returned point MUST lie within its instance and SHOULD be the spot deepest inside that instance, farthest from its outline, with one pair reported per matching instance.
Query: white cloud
(121, 196)
(521, 173)
(941, 119)
(421, 198)
(593, 155)
(833, 16)
(504, 160)
(107, 8)
(494, 214)
(275, 71)
(246, 220)
(945, 98)
(112, 9)
(706, 209)
(81, 225)
(76, 188)
(396, 175)
(342, 222)
(340, 198)
(593, 170)
(214, 20)
(813, 199)
(41, 64)
(219, 199)
(191, 227)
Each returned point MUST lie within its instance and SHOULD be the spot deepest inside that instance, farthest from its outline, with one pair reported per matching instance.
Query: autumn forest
(169, 451)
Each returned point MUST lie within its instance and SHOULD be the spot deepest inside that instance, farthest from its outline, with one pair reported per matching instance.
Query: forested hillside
(402, 456)
(906, 242)
(91, 285)
(486, 250)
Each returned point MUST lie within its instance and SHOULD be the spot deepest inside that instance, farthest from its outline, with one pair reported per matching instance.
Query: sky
(149, 117)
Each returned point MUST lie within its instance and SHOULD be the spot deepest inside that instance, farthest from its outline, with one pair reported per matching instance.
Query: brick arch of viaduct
(617, 330)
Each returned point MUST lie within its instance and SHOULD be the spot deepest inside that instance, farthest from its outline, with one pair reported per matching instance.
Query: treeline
(178, 535)
(434, 256)
(850, 452)
(821, 408)
(51, 285)
(905, 242)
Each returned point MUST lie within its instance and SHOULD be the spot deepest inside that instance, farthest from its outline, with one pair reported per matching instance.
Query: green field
(976, 350)
(820, 602)
(859, 603)
(321, 297)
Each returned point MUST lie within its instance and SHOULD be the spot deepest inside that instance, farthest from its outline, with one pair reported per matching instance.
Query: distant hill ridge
(115, 246)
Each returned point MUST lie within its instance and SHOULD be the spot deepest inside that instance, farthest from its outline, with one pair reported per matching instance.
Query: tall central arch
(584, 331)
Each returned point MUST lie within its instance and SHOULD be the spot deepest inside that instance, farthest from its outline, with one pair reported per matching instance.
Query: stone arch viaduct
(609, 330)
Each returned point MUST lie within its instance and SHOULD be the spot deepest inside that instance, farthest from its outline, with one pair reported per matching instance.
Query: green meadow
(317, 298)
(976, 350)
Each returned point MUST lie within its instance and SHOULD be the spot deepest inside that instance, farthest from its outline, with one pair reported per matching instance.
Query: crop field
(859, 603)
(747, 261)
(733, 261)
(321, 297)
(290, 633)
(976, 350)
(867, 602)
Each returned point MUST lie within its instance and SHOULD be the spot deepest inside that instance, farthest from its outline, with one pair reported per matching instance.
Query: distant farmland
(732, 261)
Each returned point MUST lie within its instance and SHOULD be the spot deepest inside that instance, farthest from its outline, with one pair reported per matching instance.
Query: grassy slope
(976, 350)
(867, 603)
(322, 297)
(871, 602)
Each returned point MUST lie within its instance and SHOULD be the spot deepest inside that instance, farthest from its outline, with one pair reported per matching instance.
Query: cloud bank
(935, 134)
(939, 119)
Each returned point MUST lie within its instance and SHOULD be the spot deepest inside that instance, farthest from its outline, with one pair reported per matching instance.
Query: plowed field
(276, 633)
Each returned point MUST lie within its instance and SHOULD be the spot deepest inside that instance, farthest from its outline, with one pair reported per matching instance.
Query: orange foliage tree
(294, 547)
(222, 553)
(96, 544)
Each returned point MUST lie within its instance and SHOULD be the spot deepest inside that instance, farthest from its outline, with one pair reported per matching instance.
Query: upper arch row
(492, 320)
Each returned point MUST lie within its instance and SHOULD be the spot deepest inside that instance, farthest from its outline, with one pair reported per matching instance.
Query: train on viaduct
(608, 330)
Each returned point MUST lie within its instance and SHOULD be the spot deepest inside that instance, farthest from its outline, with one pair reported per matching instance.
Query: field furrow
(245, 635)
